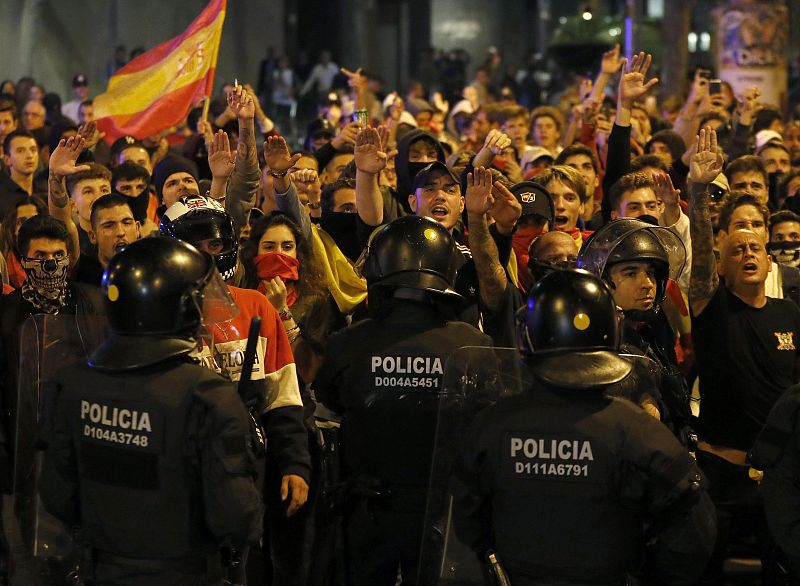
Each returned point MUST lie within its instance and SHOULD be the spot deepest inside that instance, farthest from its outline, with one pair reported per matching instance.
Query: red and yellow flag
(155, 91)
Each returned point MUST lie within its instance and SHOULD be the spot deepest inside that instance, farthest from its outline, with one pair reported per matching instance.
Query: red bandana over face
(277, 264)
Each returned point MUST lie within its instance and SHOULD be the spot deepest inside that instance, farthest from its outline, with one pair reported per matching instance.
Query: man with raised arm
(747, 355)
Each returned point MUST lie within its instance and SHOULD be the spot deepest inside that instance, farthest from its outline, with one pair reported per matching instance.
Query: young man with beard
(639, 260)
(747, 173)
(746, 345)
(113, 228)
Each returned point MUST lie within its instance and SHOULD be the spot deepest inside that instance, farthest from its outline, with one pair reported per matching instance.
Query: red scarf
(16, 274)
(277, 264)
(521, 242)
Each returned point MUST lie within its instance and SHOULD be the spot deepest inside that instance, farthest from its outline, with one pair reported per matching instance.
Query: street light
(587, 13)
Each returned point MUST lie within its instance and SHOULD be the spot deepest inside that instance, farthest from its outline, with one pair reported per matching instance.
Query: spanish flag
(155, 91)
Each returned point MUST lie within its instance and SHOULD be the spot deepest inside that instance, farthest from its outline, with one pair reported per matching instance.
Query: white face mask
(786, 253)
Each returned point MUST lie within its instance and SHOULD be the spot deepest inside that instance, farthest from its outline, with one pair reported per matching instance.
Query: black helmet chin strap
(642, 315)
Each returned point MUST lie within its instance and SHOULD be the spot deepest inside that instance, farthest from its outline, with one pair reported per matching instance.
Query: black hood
(404, 179)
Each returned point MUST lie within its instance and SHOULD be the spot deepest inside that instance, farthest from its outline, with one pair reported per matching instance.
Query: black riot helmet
(157, 293)
(628, 240)
(414, 252)
(194, 218)
(568, 332)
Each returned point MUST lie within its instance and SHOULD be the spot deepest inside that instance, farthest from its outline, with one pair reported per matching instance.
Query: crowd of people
(403, 229)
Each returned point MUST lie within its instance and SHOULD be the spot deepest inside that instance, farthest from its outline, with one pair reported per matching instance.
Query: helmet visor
(213, 300)
(597, 250)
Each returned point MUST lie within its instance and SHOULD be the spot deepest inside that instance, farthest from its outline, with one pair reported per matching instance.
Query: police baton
(246, 385)
(497, 570)
(249, 355)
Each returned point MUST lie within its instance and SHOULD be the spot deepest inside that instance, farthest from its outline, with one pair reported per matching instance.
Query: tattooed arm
(62, 163)
(492, 280)
(244, 182)
(706, 164)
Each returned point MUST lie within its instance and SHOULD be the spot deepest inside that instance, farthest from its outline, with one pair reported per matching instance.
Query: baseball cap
(320, 127)
(80, 80)
(427, 174)
(763, 137)
(125, 142)
(719, 188)
(534, 199)
(533, 154)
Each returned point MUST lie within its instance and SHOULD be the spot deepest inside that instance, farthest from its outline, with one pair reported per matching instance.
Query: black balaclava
(342, 227)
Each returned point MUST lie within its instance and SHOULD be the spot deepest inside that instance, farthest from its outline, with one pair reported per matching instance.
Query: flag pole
(206, 104)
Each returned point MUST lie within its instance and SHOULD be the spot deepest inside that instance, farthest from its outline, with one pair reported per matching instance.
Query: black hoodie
(405, 179)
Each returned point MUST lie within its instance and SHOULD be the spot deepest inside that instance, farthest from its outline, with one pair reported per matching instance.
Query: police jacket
(777, 453)
(153, 462)
(656, 341)
(384, 376)
(84, 303)
(562, 483)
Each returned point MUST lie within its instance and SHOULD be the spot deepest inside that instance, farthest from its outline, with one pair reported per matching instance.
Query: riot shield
(474, 378)
(47, 344)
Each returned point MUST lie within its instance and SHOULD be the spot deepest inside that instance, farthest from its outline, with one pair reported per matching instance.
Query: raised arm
(496, 142)
(632, 87)
(370, 159)
(221, 161)
(62, 164)
(608, 67)
(244, 181)
(706, 164)
(265, 124)
(280, 161)
(358, 83)
(492, 278)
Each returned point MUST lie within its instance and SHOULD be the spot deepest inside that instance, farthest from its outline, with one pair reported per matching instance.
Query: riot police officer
(569, 486)
(637, 261)
(777, 454)
(384, 376)
(148, 452)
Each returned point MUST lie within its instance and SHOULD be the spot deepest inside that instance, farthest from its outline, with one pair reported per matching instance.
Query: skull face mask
(46, 284)
(787, 252)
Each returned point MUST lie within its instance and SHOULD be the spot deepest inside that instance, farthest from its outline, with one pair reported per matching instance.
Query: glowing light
(705, 41)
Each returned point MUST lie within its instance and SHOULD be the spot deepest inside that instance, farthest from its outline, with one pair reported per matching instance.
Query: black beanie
(170, 165)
